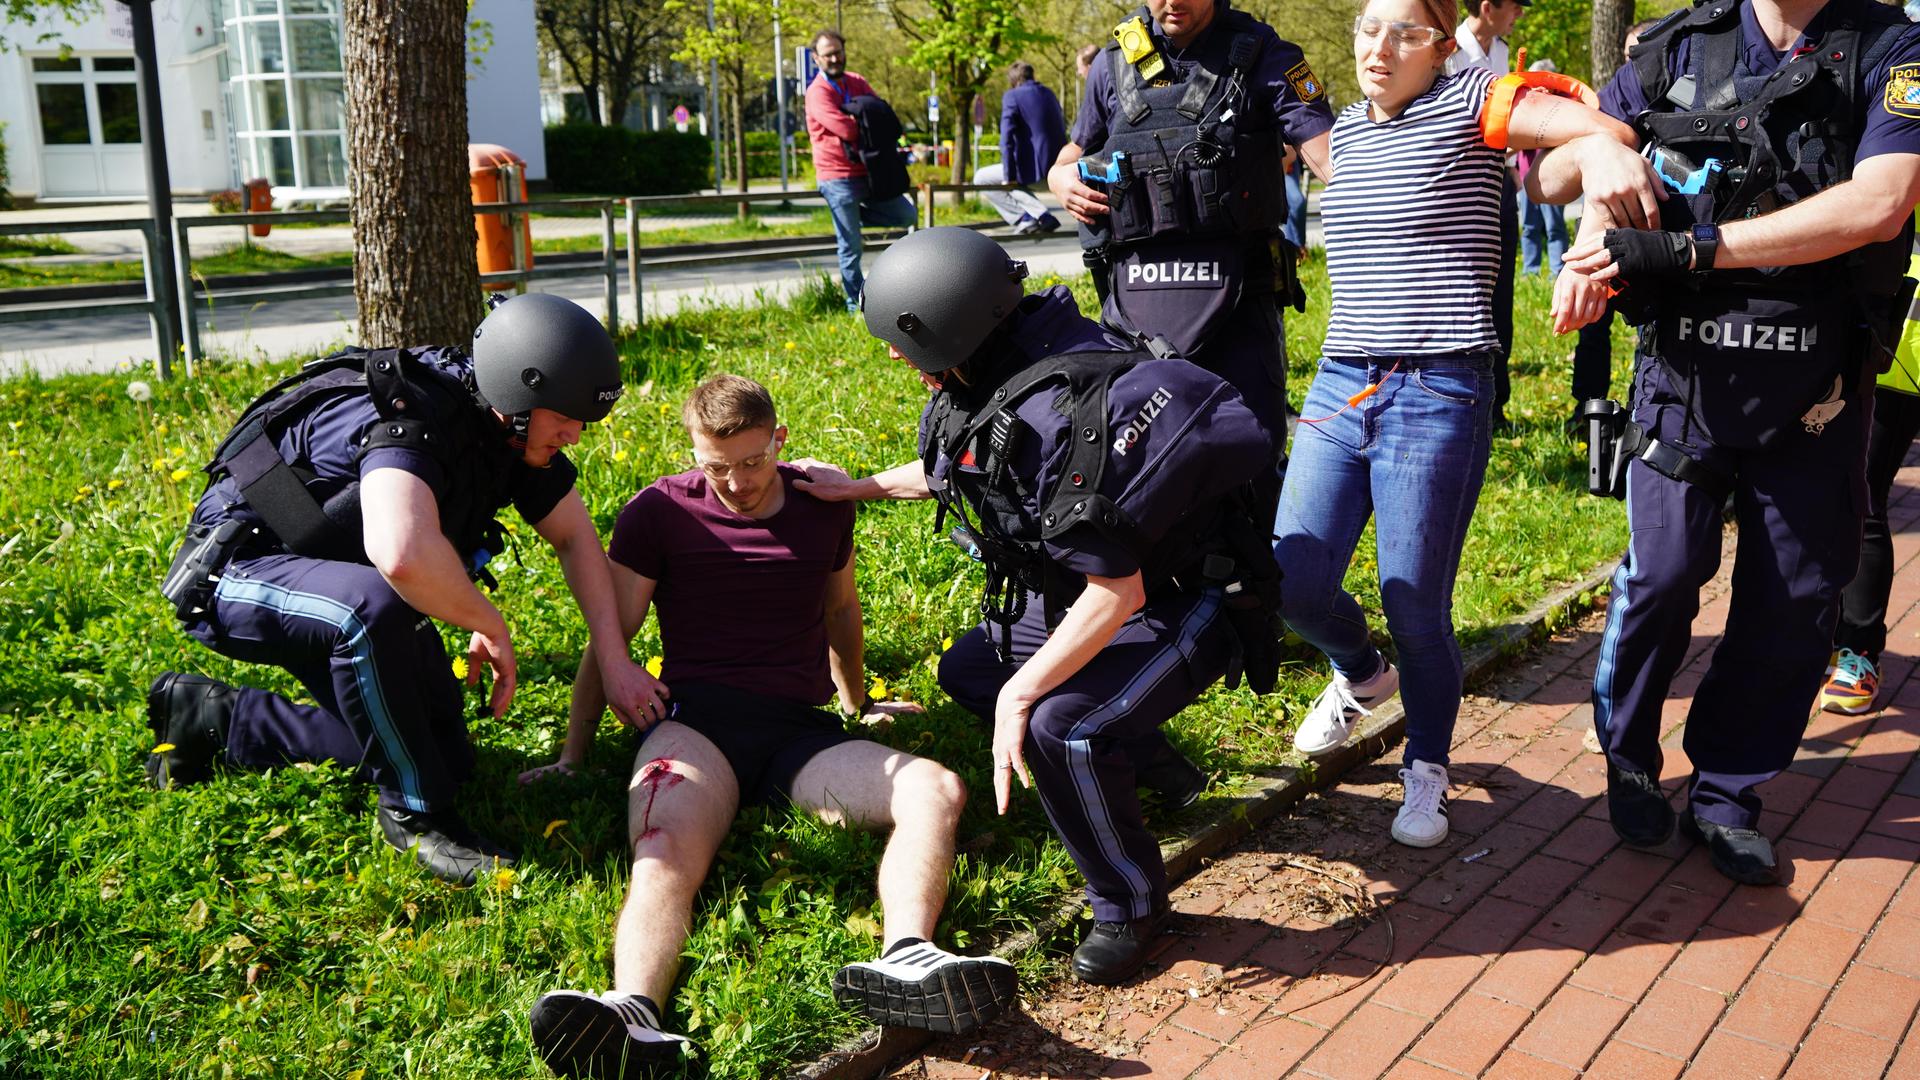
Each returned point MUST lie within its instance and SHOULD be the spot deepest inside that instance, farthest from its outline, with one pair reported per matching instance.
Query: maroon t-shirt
(742, 602)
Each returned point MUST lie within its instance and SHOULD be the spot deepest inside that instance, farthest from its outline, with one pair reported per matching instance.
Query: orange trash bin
(494, 243)
(259, 199)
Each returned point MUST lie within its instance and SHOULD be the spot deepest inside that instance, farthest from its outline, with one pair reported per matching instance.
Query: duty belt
(1672, 463)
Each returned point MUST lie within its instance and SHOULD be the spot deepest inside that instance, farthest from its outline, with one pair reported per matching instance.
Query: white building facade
(248, 88)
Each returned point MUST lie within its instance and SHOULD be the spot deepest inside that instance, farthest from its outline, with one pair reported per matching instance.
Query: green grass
(29, 246)
(256, 925)
(235, 260)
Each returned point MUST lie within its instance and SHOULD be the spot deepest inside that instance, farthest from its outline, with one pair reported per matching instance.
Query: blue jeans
(1541, 226)
(1412, 457)
(848, 203)
(1295, 228)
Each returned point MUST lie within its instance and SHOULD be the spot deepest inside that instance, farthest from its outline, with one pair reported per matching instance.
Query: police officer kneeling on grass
(1769, 291)
(1109, 495)
(353, 506)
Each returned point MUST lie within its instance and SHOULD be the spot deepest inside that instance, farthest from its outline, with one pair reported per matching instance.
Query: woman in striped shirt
(1398, 419)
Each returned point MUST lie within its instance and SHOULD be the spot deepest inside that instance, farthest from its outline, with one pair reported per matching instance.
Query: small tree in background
(964, 43)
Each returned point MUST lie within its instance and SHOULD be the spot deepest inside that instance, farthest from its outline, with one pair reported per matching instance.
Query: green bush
(6, 197)
(617, 161)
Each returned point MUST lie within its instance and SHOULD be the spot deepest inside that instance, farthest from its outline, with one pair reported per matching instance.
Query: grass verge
(256, 926)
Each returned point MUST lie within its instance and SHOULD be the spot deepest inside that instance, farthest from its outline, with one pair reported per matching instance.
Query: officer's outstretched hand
(1578, 299)
(636, 697)
(1083, 202)
(1010, 714)
(495, 650)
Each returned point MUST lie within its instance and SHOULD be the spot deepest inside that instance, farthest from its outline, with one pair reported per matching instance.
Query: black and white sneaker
(611, 1036)
(925, 986)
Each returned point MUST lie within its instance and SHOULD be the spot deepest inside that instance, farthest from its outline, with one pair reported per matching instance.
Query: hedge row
(619, 161)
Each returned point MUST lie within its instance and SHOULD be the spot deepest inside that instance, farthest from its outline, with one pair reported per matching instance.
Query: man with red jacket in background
(842, 179)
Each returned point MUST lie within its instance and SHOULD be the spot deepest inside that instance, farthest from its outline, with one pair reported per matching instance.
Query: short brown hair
(726, 405)
(1445, 14)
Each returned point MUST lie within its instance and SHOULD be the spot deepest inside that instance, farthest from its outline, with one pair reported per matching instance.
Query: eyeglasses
(1402, 35)
(721, 470)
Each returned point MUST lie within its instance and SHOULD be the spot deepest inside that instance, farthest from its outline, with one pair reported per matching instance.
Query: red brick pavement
(1531, 944)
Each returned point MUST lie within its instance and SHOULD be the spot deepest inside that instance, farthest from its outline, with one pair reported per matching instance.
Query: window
(119, 112)
(63, 114)
(288, 91)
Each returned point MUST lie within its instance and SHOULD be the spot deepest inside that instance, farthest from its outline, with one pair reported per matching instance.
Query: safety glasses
(1401, 35)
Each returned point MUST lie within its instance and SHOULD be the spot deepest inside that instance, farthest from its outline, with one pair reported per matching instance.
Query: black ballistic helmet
(936, 294)
(545, 351)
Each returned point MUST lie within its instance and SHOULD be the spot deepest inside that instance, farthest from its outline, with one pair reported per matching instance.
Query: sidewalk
(1531, 944)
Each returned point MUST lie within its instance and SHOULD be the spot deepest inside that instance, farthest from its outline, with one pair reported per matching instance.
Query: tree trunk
(1611, 18)
(740, 131)
(962, 139)
(415, 274)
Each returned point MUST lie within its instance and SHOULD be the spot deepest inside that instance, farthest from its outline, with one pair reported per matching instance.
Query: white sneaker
(596, 1035)
(1422, 820)
(925, 986)
(1329, 723)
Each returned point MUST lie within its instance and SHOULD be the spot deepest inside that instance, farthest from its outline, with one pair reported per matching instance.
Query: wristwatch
(1706, 244)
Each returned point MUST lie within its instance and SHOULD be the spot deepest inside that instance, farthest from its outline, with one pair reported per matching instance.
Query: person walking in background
(842, 178)
(1032, 131)
(1481, 41)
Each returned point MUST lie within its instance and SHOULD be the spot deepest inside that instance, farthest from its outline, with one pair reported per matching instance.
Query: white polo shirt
(1470, 55)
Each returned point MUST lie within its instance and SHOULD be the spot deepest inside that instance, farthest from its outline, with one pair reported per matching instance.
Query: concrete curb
(866, 1055)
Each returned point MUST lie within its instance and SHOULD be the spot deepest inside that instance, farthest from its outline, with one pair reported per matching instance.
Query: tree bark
(415, 274)
(739, 132)
(1611, 18)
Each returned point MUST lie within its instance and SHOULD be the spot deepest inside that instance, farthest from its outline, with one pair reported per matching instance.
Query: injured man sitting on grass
(759, 627)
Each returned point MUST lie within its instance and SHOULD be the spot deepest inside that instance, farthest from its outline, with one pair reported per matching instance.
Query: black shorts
(766, 740)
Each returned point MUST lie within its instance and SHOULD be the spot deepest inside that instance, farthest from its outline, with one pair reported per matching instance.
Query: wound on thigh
(654, 777)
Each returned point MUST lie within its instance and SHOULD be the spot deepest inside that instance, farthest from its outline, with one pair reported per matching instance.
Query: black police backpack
(1158, 456)
(878, 147)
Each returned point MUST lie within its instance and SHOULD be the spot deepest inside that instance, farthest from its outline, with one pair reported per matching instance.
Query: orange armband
(1498, 111)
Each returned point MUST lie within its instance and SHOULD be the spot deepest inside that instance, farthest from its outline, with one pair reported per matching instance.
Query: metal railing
(929, 190)
(155, 307)
(194, 291)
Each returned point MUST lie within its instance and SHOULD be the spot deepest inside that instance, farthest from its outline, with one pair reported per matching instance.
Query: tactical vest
(1758, 346)
(420, 407)
(1197, 198)
(1154, 456)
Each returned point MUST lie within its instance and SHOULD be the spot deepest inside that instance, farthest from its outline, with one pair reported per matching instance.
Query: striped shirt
(1412, 224)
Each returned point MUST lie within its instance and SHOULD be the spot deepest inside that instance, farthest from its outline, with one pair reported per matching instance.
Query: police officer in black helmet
(1108, 494)
(350, 509)
(1761, 240)
(1174, 174)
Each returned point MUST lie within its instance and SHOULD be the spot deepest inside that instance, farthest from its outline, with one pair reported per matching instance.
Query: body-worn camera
(1606, 422)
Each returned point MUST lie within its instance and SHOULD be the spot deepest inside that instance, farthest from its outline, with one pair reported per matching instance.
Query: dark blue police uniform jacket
(1798, 497)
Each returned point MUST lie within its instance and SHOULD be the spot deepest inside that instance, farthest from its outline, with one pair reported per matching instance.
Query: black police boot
(190, 714)
(1176, 781)
(443, 843)
(1641, 815)
(1116, 951)
(1741, 854)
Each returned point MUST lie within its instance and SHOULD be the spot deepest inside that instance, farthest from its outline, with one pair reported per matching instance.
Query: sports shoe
(443, 844)
(1174, 780)
(602, 1035)
(1114, 952)
(1741, 854)
(1027, 224)
(1049, 223)
(1851, 686)
(1422, 820)
(1641, 816)
(187, 714)
(924, 986)
(1330, 721)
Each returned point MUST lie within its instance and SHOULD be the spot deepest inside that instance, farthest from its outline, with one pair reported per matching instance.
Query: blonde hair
(726, 405)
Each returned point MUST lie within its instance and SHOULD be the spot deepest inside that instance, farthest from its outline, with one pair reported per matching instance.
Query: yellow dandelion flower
(791, 345)
(116, 484)
(163, 748)
(159, 463)
(459, 667)
(180, 474)
(177, 452)
(653, 666)
(503, 879)
(160, 430)
(553, 826)
(620, 455)
(945, 644)
(878, 691)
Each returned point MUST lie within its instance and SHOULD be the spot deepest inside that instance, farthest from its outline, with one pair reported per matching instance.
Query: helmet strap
(518, 437)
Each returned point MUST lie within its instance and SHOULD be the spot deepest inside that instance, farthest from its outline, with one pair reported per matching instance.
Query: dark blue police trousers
(387, 701)
(1086, 739)
(1798, 506)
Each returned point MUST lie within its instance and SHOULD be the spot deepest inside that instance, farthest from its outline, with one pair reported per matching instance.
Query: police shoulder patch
(1305, 82)
(1903, 90)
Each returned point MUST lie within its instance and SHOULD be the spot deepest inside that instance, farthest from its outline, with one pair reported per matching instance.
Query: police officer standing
(351, 508)
(1105, 492)
(1174, 174)
(1768, 283)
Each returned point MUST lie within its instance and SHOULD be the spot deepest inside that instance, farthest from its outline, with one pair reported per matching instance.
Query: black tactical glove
(1643, 254)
